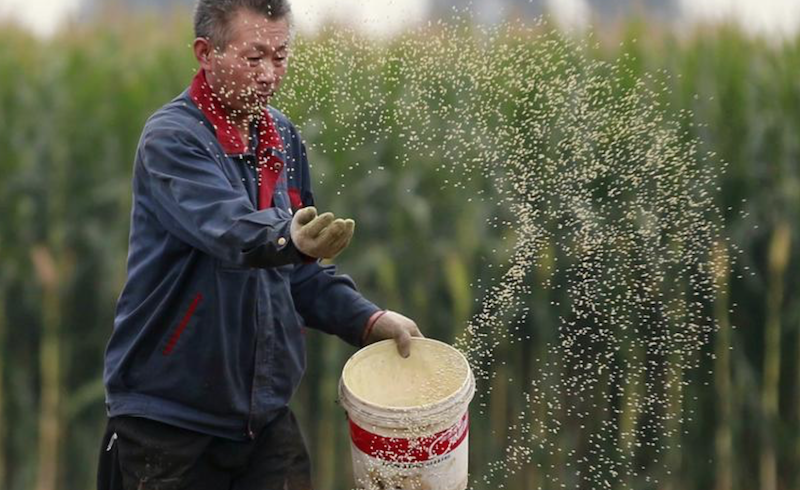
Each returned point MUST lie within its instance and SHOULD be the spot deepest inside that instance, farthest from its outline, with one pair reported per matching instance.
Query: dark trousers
(142, 454)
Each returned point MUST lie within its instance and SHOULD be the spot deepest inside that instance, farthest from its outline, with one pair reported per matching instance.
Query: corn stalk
(50, 427)
(778, 259)
(723, 438)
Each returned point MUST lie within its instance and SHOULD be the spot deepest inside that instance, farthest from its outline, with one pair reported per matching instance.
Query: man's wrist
(306, 259)
(373, 319)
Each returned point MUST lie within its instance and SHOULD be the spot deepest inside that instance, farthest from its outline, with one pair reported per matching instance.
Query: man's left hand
(395, 326)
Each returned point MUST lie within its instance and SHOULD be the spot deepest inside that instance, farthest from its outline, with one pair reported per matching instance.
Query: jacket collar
(228, 134)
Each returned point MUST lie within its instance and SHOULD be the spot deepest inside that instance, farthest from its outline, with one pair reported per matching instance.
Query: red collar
(270, 143)
(227, 133)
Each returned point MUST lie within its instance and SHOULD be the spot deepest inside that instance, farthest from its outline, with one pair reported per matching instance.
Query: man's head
(243, 47)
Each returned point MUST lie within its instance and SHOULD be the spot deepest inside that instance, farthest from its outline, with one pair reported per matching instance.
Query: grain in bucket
(409, 423)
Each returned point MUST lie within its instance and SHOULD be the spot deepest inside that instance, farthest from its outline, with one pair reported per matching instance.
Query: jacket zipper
(250, 433)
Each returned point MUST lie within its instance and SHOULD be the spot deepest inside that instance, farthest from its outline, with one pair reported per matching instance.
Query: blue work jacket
(208, 332)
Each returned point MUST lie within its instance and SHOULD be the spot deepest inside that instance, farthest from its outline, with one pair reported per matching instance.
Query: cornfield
(71, 111)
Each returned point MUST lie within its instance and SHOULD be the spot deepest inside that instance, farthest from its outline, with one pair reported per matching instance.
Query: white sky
(570, 13)
(42, 16)
(383, 17)
(769, 17)
(378, 17)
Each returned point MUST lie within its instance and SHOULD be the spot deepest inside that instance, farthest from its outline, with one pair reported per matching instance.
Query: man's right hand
(320, 237)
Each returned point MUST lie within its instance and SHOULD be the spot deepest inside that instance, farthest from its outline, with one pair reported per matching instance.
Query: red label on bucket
(398, 449)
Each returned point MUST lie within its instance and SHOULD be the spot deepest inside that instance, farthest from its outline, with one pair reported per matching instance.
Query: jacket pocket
(178, 331)
(226, 266)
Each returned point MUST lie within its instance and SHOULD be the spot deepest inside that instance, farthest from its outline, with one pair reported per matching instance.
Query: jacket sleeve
(193, 199)
(327, 301)
(330, 302)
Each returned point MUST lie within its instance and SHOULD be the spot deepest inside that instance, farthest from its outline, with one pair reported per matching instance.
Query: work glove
(320, 237)
(391, 325)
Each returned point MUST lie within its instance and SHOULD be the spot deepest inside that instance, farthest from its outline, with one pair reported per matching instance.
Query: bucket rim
(466, 388)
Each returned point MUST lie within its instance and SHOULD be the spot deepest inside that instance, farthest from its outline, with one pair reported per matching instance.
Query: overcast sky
(386, 16)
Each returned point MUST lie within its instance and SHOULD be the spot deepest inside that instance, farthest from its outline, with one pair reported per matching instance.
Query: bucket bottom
(446, 472)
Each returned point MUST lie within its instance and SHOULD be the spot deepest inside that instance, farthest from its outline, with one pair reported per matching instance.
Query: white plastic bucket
(409, 423)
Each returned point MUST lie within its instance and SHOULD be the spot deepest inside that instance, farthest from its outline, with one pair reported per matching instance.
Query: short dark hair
(212, 17)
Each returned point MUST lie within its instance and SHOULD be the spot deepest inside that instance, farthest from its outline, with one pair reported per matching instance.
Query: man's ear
(203, 51)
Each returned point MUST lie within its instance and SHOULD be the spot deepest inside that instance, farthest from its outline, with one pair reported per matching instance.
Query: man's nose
(265, 73)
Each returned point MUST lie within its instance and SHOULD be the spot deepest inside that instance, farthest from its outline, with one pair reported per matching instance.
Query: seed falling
(597, 188)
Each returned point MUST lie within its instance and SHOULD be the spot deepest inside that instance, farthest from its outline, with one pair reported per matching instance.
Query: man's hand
(320, 237)
(391, 325)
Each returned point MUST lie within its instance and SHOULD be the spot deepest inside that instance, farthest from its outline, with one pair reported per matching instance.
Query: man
(223, 272)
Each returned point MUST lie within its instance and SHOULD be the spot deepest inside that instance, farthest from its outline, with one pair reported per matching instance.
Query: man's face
(250, 68)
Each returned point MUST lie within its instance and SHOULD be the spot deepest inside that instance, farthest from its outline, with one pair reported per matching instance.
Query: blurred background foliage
(71, 111)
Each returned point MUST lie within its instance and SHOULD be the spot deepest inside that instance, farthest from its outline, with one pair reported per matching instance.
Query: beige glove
(320, 237)
(391, 325)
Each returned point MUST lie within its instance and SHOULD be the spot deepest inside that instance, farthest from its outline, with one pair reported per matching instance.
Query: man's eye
(255, 59)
